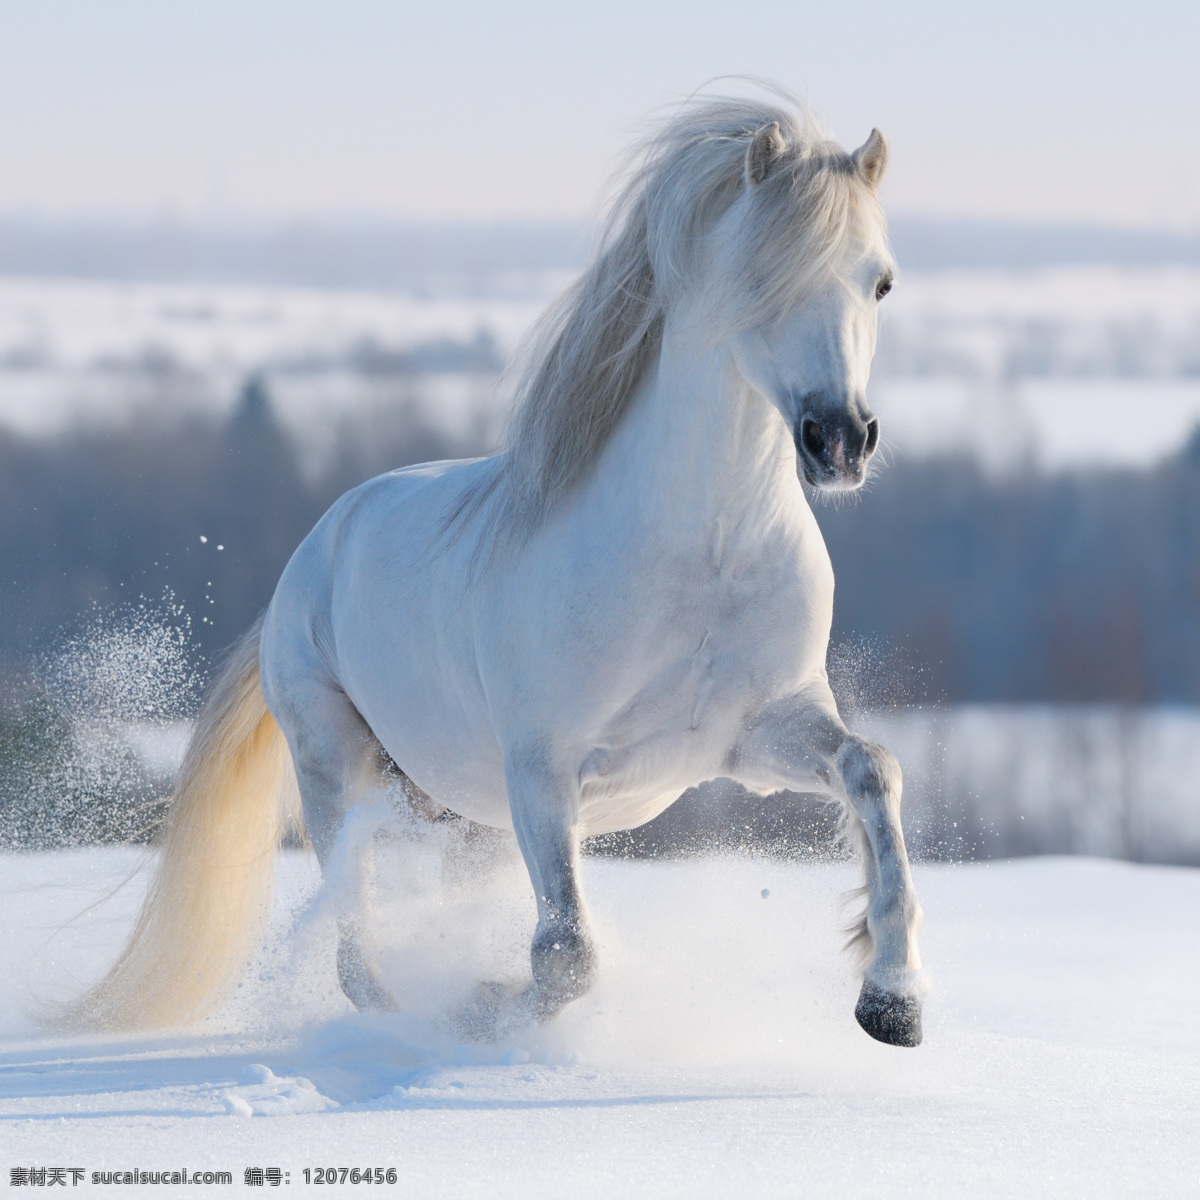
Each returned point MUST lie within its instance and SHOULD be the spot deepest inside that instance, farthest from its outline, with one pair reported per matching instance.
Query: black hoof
(889, 1017)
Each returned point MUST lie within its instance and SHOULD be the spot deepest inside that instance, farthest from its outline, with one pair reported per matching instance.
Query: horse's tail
(210, 896)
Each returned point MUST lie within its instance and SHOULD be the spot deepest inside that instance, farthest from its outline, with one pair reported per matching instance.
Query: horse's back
(398, 519)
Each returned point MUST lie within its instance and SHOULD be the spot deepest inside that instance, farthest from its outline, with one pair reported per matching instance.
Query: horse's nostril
(810, 435)
(872, 436)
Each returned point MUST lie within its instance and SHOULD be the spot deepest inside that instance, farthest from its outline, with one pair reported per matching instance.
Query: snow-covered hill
(1058, 365)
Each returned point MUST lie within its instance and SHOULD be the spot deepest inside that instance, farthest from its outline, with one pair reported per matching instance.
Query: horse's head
(757, 236)
(811, 235)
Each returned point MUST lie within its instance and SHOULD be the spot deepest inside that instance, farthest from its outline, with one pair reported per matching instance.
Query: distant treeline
(384, 253)
(1079, 586)
(1075, 587)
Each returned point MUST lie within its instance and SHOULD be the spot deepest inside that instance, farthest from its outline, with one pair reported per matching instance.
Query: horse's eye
(883, 287)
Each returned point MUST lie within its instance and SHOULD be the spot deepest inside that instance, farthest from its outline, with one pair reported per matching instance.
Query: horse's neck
(704, 446)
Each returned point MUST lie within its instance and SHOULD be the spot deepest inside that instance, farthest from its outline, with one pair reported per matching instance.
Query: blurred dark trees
(209, 509)
(1081, 586)
(1073, 587)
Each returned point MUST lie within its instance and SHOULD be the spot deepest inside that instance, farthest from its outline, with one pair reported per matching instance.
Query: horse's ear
(765, 148)
(871, 159)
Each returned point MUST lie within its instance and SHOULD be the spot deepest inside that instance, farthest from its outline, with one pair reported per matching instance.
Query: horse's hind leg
(339, 762)
(801, 744)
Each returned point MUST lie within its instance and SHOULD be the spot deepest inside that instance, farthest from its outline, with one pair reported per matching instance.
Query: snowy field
(717, 1055)
(1015, 366)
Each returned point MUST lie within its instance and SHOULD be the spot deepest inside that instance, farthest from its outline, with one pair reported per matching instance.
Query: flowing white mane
(578, 369)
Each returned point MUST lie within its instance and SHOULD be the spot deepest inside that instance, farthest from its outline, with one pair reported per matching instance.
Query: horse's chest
(745, 618)
(714, 645)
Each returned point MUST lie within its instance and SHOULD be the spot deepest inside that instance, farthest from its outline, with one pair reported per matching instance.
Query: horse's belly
(457, 771)
(629, 781)
(608, 813)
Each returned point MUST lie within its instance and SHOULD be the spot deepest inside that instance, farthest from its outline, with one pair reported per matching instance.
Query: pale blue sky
(451, 108)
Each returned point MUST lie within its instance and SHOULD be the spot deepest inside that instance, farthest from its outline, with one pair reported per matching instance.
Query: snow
(85, 350)
(82, 324)
(1051, 423)
(717, 1055)
(1041, 366)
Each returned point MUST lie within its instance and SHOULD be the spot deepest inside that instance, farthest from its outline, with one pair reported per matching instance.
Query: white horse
(631, 598)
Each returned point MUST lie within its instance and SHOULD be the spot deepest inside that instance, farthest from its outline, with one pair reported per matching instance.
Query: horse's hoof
(493, 1011)
(363, 988)
(368, 995)
(888, 1016)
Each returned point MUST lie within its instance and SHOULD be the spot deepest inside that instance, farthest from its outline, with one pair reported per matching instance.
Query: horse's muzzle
(833, 450)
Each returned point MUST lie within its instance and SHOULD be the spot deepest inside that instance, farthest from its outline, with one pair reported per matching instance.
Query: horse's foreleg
(888, 1006)
(803, 746)
(545, 806)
